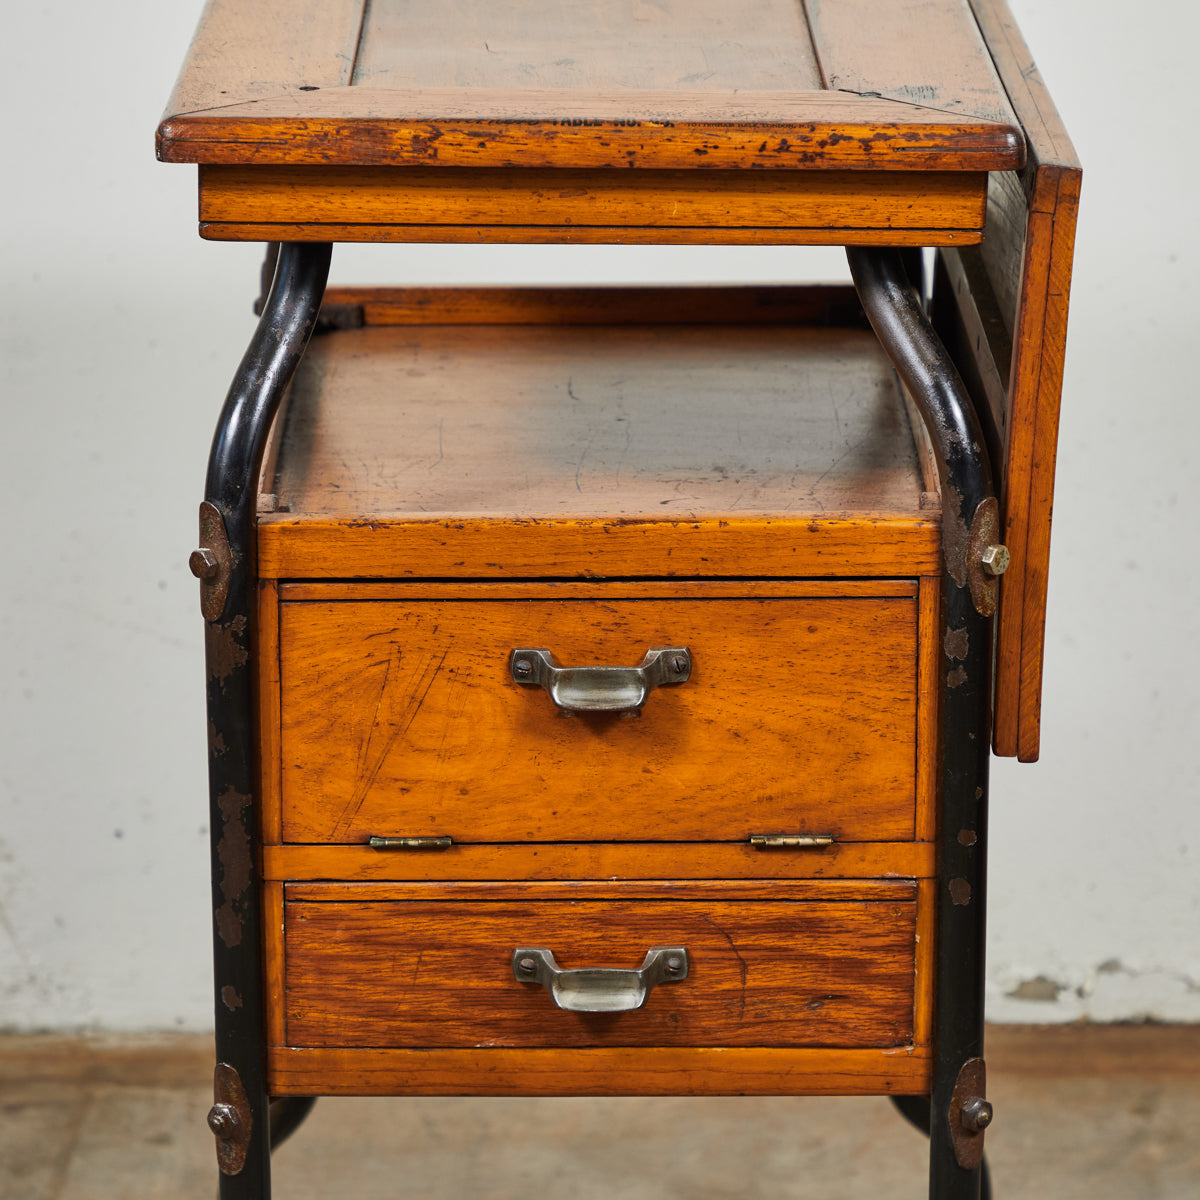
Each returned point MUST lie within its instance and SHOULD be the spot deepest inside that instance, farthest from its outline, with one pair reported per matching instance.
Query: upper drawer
(401, 718)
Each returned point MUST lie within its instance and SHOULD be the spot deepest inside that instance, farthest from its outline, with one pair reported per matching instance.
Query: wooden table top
(680, 84)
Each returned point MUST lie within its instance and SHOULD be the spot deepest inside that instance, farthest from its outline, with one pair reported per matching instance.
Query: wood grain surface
(822, 306)
(605, 199)
(632, 589)
(789, 973)
(604, 860)
(690, 85)
(459, 450)
(926, 52)
(570, 891)
(407, 547)
(701, 45)
(584, 235)
(553, 421)
(401, 720)
(1022, 276)
(644, 1071)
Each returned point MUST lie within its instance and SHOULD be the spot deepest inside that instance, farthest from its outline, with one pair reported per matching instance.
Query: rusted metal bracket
(987, 559)
(970, 1114)
(212, 563)
(230, 1119)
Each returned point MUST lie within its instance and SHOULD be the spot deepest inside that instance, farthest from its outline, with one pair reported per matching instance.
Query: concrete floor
(1082, 1113)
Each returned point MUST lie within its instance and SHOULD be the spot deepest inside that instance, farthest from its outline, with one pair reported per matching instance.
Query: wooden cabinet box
(478, 506)
(731, 472)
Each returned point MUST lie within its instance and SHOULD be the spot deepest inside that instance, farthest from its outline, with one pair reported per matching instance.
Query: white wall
(121, 330)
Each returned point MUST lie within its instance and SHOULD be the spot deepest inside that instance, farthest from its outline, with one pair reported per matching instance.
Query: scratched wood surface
(600, 1071)
(695, 84)
(550, 422)
(1009, 302)
(417, 973)
(604, 860)
(434, 445)
(402, 720)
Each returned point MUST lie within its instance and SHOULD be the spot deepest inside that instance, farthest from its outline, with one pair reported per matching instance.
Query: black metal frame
(898, 318)
(287, 322)
(895, 311)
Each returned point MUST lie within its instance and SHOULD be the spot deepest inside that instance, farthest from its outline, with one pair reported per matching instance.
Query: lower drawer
(365, 967)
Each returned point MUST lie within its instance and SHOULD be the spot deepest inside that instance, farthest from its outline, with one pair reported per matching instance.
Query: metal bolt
(679, 663)
(976, 1114)
(996, 559)
(203, 564)
(523, 667)
(527, 966)
(675, 964)
(223, 1121)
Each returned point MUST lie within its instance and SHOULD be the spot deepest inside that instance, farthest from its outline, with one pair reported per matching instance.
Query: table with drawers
(602, 680)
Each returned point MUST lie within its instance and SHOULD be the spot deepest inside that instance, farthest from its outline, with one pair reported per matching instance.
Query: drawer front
(759, 972)
(402, 719)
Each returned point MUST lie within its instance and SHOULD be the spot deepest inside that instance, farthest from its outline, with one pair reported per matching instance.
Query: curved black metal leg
(225, 563)
(915, 1110)
(288, 1113)
(969, 533)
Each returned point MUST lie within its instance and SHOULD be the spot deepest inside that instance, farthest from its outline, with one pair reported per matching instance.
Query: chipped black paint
(956, 643)
(896, 315)
(235, 856)
(289, 317)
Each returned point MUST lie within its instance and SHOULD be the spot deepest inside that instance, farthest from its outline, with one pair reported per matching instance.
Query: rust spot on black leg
(967, 837)
(224, 648)
(216, 740)
(960, 891)
(956, 643)
(956, 678)
(234, 855)
(956, 535)
(230, 998)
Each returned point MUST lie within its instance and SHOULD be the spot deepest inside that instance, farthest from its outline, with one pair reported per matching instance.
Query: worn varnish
(1011, 299)
(400, 719)
(681, 204)
(604, 860)
(771, 84)
(464, 449)
(555, 421)
(601, 1071)
(362, 973)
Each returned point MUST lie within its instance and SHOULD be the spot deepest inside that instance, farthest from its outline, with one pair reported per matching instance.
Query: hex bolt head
(526, 966)
(523, 668)
(203, 563)
(223, 1121)
(976, 1114)
(996, 559)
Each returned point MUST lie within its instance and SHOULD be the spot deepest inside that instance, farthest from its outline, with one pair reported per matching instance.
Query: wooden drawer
(399, 717)
(371, 966)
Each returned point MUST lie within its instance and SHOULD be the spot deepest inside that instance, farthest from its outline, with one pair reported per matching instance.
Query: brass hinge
(410, 843)
(790, 841)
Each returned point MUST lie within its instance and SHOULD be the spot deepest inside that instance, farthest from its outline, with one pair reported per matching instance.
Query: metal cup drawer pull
(601, 689)
(600, 989)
